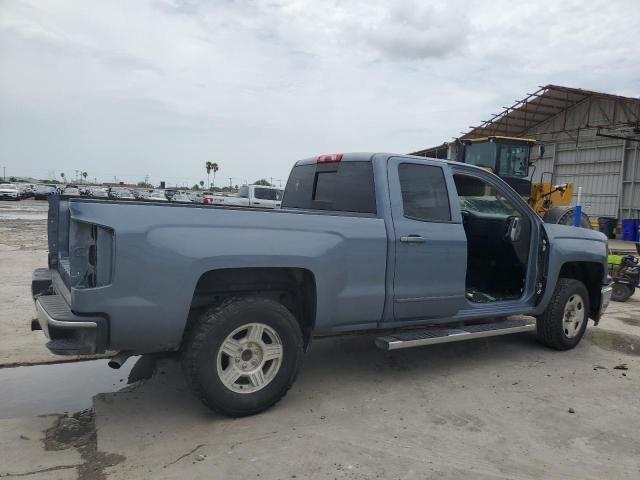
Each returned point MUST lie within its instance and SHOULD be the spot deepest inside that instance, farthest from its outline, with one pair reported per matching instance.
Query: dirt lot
(496, 408)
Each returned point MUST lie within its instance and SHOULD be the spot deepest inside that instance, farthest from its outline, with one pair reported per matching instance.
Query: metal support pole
(619, 207)
(578, 212)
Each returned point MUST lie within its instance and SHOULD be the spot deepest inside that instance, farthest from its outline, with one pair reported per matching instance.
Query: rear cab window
(343, 186)
(268, 194)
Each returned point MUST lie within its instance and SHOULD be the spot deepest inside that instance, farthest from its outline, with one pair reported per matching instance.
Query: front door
(430, 242)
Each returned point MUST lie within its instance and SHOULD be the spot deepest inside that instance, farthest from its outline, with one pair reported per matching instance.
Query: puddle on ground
(616, 342)
(25, 207)
(16, 216)
(64, 387)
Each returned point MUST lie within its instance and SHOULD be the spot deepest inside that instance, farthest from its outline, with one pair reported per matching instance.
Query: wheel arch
(590, 274)
(295, 288)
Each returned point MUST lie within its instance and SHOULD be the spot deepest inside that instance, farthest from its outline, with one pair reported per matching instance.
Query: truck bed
(161, 250)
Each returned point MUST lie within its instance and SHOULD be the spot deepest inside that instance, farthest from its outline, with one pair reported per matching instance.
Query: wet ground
(57, 388)
(25, 210)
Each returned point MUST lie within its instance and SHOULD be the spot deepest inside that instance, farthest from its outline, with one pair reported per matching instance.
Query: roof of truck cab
(368, 156)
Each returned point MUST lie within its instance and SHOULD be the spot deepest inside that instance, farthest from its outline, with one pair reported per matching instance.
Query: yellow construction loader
(510, 159)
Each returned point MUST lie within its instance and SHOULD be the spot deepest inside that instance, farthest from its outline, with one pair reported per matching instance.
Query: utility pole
(230, 183)
(4, 173)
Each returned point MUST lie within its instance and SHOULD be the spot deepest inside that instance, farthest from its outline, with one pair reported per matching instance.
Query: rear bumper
(68, 333)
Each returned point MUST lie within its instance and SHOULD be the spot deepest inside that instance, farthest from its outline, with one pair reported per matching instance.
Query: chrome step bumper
(433, 335)
(68, 333)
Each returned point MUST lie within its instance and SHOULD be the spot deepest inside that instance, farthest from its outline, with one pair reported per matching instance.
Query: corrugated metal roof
(536, 108)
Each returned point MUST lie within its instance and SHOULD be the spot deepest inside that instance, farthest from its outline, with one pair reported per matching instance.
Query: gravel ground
(23, 248)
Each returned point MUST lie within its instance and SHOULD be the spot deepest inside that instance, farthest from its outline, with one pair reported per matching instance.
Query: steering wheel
(504, 203)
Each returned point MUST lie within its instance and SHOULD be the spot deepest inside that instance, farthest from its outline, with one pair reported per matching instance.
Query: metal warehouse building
(591, 139)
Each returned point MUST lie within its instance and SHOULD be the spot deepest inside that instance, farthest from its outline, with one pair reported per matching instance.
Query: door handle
(412, 239)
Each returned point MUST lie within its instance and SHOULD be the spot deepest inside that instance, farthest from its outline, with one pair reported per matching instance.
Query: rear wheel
(621, 292)
(243, 356)
(564, 322)
(566, 216)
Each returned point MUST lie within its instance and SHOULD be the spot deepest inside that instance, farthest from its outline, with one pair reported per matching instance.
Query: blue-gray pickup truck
(414, 251)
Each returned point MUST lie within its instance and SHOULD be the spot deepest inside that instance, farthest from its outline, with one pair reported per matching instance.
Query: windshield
(481, 154)
(268, 194)
(514, 160)
(8, 185)
(503, 158)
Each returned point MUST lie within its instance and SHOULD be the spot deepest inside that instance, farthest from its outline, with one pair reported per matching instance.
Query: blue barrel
(638, 230)
(629, 230)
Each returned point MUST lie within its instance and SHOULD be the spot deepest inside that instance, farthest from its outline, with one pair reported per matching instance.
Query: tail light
(90, 255)
(331, 158)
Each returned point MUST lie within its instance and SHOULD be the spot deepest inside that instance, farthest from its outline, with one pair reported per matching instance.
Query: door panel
(430, 242)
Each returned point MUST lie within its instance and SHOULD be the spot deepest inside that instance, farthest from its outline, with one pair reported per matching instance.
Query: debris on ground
(571, 410)
(622, 366)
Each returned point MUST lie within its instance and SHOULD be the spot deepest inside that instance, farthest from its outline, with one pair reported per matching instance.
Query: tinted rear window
(344, 187)
(268, 194)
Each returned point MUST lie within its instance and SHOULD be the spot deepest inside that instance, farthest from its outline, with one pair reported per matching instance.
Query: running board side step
(433, 335)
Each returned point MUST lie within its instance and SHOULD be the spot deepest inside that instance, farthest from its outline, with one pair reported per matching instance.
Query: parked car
(251, 196)
(181, 197)
(71, 191)
(99, 192)
(195, 197)
(9, 191)
(156, 196)
(42, 192)
(414, 250)
(121, 194)
(25, 189)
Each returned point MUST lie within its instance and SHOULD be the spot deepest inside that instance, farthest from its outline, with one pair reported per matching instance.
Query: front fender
(571, 245)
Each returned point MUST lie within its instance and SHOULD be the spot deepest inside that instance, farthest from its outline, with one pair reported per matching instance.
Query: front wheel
(621, 292)
(243, 356)
(563, 323)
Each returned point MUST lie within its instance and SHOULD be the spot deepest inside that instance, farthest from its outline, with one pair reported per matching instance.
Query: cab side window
(424, 193)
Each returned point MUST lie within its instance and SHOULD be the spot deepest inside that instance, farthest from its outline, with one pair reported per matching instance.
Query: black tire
(565, 216)
(203, 343)
(621, 292)
(550, 325)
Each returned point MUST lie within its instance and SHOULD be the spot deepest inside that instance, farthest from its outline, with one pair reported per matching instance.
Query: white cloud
(128, 88)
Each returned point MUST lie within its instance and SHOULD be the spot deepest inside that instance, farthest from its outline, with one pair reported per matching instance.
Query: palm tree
(85, 175)
(208, 166)
(214, 167)
(62, 175)
(201, 183)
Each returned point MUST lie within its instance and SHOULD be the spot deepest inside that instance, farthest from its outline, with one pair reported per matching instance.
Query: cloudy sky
(158, 87)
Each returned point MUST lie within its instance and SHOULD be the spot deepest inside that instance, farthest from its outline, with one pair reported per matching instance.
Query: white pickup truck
(250, 196)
